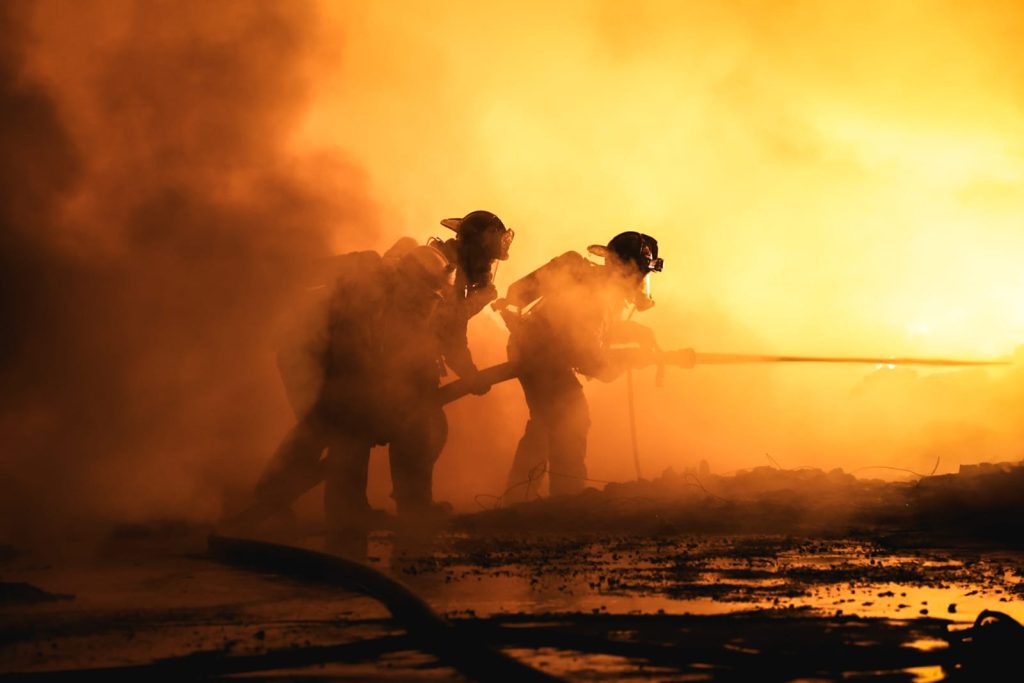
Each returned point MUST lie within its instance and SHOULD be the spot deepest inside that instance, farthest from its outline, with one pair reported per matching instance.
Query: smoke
(836, 178)
(840, 178)
(155, 225)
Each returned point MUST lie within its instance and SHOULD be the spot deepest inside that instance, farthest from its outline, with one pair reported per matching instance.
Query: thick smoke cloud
(154, 226)
(822, 178)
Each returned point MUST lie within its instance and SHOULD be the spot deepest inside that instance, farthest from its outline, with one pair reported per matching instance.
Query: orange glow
(805, 166)
(823, 178)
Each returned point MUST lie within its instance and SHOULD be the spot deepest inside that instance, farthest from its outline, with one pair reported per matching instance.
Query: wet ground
(582, 607)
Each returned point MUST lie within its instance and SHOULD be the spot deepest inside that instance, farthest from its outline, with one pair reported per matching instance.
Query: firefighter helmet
(635, 248)
(483, 233)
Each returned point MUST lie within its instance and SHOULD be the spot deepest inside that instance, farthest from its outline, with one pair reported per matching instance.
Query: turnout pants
(415, 447)
(416, 442)
(555, 440)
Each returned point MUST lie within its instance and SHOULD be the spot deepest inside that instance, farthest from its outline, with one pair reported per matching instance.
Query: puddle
(688, 591)
(689, 575)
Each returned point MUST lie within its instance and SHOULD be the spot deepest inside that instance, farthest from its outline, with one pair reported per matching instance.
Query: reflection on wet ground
(611, 608)
(702, 575)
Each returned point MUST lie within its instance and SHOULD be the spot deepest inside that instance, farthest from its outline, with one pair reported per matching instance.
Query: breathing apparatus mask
(482, 241)
(636, 256)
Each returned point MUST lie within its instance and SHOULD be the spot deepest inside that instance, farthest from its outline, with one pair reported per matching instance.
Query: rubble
(981, 501)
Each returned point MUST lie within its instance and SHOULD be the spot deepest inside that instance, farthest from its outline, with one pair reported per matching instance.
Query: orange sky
(827, 177)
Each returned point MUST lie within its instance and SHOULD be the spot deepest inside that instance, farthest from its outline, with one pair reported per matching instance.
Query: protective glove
(478, 384)
(480, 297)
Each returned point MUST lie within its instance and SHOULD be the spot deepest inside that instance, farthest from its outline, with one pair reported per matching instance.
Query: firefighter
(378, 371)
(563, 319)
(481, 240)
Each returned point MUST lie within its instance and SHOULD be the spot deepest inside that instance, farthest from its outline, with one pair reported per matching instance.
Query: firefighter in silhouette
(376, 359)
(480, 241)
(420, 351)
(563, 319)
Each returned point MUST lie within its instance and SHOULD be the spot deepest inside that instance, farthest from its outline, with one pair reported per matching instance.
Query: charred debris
(980, 503)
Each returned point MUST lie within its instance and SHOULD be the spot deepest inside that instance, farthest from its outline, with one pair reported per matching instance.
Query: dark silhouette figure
(564, 319)
(481, 240)
(366, 372)
(377, 360)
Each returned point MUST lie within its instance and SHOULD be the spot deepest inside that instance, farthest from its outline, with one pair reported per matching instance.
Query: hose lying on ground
(425, 627)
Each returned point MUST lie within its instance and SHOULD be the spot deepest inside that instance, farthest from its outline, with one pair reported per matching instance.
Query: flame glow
(823, 178)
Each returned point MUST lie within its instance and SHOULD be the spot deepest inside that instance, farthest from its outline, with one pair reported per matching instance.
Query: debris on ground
(979, 502)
